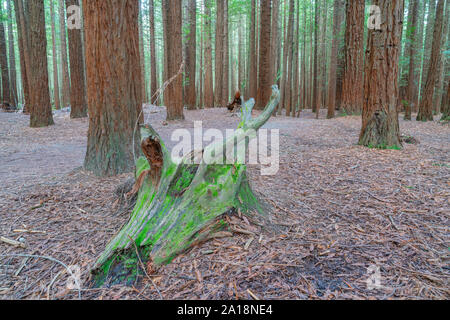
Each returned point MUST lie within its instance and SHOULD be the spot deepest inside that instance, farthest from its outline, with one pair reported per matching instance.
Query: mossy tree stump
(180, 204)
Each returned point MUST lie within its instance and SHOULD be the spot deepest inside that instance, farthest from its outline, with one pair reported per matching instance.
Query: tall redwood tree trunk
(334, 58)
(428, 43)
(208, 92)
(380, 126)
(225, 57)
(253, 68)
(23, 51)
(315, 99)
(113, 85)
(12, 56)
(412, 59)
(173, 95)
(352, 86)
(265, 73)
(40, 107)
(153, 71)
(191, 57)
(78, 97)
(65, 68)
(6, 94)
(426, 104)
(219, 54)
(56, 92)
(287, 62)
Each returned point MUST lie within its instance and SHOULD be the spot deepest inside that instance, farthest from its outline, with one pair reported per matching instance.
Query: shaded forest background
(223, 52)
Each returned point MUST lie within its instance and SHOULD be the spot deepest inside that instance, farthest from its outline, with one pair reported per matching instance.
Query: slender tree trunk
(341, 60)
(153, 76)
(440, 89)
(191, 59)
(253, 70)
(265, 73)
(323, 55)
(274, 39)
(55, 60)
(403, 98)
(78, 95)
(311, 63)
(40, 107)
(241, 60)
(303, 102)
(142, 55)
(418, 43)
(6, 89)
(23, 68)
(112, 53)
(201, 78)
(334, 58)
(65, 69)
(219, 69)
(446, 105)
(295, 64)
(173, 95)
(412, 56)
(316, 95)
(428, 43)
(352, 86)
(287, 62)
(226, 58)
(208, 91)
(12, 56)
(380, 126)
(426, 104)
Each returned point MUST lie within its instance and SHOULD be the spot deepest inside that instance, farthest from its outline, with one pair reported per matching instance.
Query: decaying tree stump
(180, 205)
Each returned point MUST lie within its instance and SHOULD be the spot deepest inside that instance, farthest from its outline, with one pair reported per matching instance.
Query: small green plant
(383, 146)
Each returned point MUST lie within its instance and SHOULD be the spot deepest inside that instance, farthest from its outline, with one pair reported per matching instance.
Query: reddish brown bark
(274, 48)
(265, 73)
(153, 76)
(6, 94)
(295, 64)
(410, 105)
(446, 104)
(253, 68)
(78, 97)
(426, 104)
(380, 126)
(55, 60)
(191, 58)
(285, 101)
(65, 68)
(23, 55)
(113, 89)
(208, 90)
(440, 88)
(352, 86)
(142, 57)
(315, 100)
(334, 58)
(219, 67)
(173, 94)
(428, 43)
(12, 57)
(40, 106)
(226, 58)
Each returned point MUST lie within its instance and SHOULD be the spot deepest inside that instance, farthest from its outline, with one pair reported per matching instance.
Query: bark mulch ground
(339, 213)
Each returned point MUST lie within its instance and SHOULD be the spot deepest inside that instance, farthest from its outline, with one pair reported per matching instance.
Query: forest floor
(341, 211)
